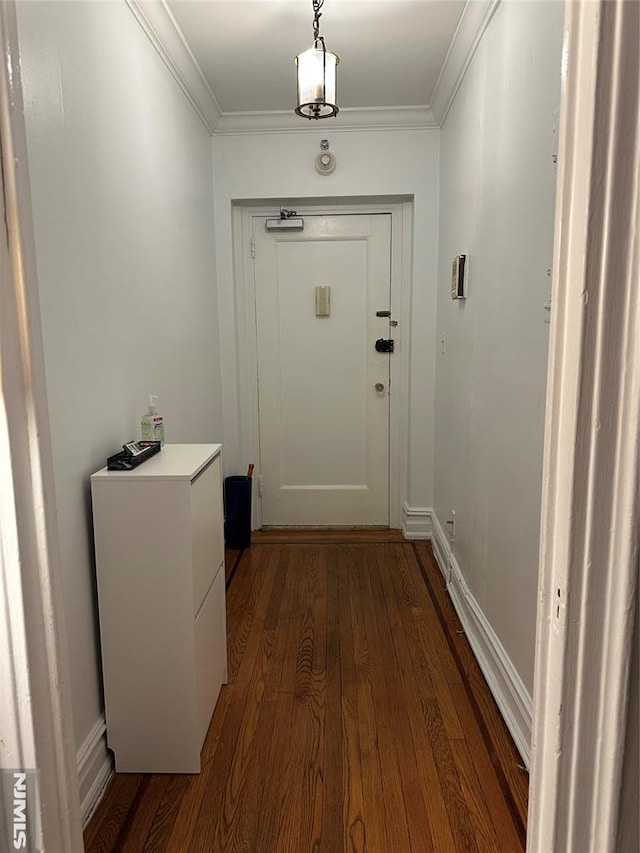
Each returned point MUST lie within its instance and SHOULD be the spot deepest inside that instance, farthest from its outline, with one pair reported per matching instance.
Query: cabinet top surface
(174, 462)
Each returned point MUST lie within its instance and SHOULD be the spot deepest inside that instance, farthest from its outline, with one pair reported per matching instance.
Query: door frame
(37, 730)
(590, 537)
(401, 212)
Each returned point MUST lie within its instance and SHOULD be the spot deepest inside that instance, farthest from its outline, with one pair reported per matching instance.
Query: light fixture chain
(317, 14)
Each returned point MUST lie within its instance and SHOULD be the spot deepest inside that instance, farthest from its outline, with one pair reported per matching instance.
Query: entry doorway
(324, 369)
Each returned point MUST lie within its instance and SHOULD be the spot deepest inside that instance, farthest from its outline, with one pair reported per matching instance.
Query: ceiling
(391, 51)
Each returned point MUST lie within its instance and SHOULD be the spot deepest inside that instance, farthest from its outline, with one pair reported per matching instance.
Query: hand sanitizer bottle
(152, 423)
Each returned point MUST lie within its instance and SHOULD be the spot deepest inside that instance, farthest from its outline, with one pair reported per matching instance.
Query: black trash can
(237, 512)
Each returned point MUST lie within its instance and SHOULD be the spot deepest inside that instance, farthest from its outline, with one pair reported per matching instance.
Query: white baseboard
(95, 768)
(441, 547)
(508, 689)
(416, 522)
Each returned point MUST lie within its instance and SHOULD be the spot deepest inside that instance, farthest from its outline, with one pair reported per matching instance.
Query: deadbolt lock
(384, 345)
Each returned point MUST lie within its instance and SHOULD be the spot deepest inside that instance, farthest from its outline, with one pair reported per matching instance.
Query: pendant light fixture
(317, 75)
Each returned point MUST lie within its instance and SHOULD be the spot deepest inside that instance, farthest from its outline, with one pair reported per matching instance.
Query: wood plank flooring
(355, 718)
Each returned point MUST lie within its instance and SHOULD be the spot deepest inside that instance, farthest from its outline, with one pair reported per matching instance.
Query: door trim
(35, 684)
(587, 594)
(247, 355)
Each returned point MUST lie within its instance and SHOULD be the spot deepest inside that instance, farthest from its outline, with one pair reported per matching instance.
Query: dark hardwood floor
(355, 718)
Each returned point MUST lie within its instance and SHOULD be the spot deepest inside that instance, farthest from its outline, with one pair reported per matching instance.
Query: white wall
(122, 200)
(369, 163)
(497, 189)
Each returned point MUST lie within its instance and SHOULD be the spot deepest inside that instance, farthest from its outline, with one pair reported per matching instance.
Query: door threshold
(290, 527)
(326, 536)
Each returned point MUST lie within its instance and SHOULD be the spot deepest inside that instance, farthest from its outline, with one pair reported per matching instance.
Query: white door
(323, 386)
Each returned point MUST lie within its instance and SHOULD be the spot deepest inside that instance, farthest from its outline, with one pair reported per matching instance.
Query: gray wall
(497, 192)
(122, 201)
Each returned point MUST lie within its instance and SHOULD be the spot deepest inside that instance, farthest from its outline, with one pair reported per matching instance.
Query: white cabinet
(161, 596)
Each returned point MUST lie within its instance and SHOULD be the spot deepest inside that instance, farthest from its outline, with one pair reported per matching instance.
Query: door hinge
(260, 487)
(253, 246)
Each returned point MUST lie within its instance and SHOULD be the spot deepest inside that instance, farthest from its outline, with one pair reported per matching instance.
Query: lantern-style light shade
(317, 83)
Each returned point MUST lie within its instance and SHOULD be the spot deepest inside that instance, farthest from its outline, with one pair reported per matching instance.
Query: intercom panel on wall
(458, 289)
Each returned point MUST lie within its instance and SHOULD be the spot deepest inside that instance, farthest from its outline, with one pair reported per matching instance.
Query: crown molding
(164, 33)
(365, 118)
(162, 30)
(474, 21)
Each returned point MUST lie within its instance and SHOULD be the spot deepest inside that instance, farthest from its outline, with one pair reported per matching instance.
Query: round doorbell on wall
(326, 163)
